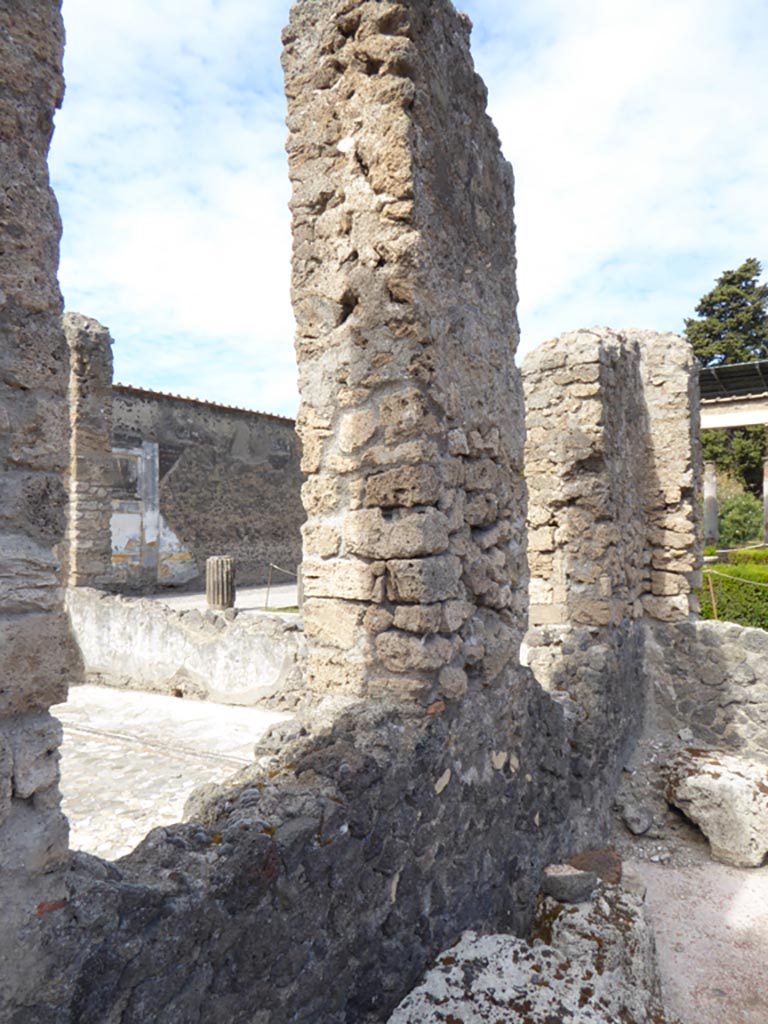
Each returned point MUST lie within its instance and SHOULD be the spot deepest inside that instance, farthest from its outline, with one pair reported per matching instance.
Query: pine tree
(733, 319)
(733, 328)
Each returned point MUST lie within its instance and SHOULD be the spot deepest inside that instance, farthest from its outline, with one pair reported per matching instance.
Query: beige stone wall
(404, 295)
(612, 468)
(37, 652)
(89, 547)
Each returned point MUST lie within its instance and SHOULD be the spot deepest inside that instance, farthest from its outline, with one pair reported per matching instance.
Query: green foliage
(749, 556)
(740, 520)
(739, 452)
(733, 328)
(710, 549)
(736, 596)
(733, 319)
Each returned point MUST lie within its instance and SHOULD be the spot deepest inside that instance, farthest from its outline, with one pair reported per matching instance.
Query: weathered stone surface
(411, 405)
(727, 797)
(568, 884)
(145, 645)
(593, 963)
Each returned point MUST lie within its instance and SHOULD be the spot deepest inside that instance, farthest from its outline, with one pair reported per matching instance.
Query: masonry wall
(405, 298)
(88, 542)
(612, 466)
(229, 480)
(37, 652)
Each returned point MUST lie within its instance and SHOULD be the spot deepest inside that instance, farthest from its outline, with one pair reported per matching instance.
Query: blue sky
(638, 134)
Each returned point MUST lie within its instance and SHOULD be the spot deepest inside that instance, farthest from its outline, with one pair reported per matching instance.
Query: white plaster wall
(142, 644)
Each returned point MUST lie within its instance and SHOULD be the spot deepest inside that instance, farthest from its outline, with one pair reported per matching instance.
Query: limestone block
(424, 580)
(28, 575)
(455, 614)
(320, 495)
(727, 797)
(404, 413)
(453, 682)
(349, 579)
(667, 609)
(39, 661)
(402, 652)
(321, 540)
(333, 622)
(356, 429)
(33, 742)
(32, 839)
(411, 534)
(377, 619)
(664, 584)
(419, 618)
(403, 488)
(333, 670)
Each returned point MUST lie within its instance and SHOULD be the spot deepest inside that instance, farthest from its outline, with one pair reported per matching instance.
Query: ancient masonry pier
(411, 406)
(89, 547)
(37, 652)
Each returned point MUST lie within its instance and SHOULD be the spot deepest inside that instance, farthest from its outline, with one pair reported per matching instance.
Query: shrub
(736, 596)
(749, 556)
(741, 520)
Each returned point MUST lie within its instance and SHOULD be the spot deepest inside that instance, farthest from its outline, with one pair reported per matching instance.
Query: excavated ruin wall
(405, 298)
(88, 542)
(424, 790)
(612, 466)
(38, 656)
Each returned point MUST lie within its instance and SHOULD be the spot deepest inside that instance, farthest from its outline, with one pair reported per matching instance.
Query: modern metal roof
(733, 380)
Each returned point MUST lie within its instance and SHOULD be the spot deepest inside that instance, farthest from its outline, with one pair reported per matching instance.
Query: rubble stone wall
(38, 656)
(712, 678)
(88, 546)
(405, 300)
(229, 479)
(612, 467)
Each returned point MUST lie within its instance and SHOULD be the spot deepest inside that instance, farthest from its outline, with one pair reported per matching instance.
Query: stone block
(424, 580)
(321, 540)
(406, 535)
(40, 660)
(333, 622)
(28, 575)
(402, 652)
(419, 618)
(356, 429)
(349, 579)
(453, 682)
(320, 495)
(403, 487)
(33, 742)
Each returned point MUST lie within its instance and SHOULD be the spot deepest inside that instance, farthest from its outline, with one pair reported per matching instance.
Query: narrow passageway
(131, 759)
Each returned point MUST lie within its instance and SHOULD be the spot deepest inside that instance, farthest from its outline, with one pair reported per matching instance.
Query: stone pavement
(131, 759)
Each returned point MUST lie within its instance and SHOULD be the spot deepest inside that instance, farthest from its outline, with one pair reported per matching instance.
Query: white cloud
(638, 134)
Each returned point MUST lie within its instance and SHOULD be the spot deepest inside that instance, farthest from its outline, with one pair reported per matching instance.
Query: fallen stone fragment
(605, 862)
(636, 817)
(568, 884)
(588, 964)
(727, 797)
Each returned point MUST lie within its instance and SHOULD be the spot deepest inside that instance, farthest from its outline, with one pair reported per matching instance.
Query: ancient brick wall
(88, 544)
(229, 479)
(404, 294)
(37, 651)
(612, 468)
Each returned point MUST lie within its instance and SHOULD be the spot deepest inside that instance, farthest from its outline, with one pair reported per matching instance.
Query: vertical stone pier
(405, 300)
(36, 650)
(89, 546)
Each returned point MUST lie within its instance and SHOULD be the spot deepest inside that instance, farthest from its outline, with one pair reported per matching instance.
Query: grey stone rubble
(589, 964)
(727, 797)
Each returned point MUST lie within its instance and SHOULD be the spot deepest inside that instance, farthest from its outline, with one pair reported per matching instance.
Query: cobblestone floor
(130, 760)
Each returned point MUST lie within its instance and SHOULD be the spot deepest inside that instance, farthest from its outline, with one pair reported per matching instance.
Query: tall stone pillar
(36, 650)
(711, 528)
(404, 293)
(89, 546)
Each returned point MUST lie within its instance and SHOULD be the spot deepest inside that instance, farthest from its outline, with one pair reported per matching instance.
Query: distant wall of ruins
(88, 543)
(411, 406)
(37, 652)
(612, 468)
(229, 480)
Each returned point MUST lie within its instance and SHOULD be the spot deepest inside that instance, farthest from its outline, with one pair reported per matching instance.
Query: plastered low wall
(145, 645)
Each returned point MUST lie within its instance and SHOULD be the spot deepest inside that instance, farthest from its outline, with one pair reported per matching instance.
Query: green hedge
(749, 556)
(740, 520)
(737, 599)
